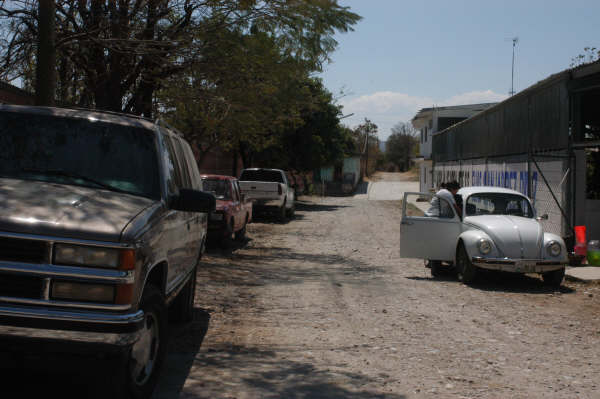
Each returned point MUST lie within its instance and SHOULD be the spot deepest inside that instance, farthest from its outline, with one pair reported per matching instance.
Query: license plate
(526, 265)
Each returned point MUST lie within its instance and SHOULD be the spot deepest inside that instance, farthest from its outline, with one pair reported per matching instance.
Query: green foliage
(401, 145)
(590, 54)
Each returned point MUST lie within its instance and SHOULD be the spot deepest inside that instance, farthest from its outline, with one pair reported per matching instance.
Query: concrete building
(544, 142)
(429, 121)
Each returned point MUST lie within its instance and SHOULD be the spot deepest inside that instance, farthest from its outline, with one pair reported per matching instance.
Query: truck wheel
(467, 273)
(182, 309)
(226, 239)
(240, 235)
(554, 278)
(291, 211)
(282, 213)
(137, 374)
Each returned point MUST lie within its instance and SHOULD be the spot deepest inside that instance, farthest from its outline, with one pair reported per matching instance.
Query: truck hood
(33, 207)
(514, 236)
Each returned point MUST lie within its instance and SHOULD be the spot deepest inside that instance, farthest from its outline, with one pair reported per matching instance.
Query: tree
(590, 54)
(400, 146)
(116, 55)
(366, 142)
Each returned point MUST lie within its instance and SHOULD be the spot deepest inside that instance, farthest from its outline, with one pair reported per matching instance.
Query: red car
(233, 212)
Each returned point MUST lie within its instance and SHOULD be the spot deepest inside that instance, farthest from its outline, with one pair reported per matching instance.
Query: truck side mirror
(193, 201)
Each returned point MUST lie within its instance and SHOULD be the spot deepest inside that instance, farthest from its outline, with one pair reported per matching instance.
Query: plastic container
(593, 253)
(580, 242)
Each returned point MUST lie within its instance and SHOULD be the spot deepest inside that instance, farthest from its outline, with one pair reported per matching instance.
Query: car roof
(217, 177)
(466, 191)
(74, 113)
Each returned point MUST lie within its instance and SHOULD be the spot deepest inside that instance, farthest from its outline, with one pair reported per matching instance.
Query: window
(262, 175)
(79, 152)
(498, 204)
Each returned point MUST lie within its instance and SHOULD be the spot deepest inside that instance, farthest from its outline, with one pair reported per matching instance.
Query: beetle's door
(428, 237)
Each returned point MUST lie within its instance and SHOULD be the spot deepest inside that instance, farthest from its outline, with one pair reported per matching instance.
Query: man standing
(442, 208)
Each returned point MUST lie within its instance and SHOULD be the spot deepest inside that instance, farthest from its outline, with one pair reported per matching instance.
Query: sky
(405, 55)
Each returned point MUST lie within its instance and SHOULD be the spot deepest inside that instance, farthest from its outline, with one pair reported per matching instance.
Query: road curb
(583, 274)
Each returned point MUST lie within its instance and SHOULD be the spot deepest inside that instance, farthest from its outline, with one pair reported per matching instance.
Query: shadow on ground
(266, 373)
(314, 207)
(503, 282)
(267, 265)
(184, 345)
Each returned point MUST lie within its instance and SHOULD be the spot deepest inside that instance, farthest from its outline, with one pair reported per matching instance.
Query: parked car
(102, 224)
(233, 211)
(499, 230)
(270, 191)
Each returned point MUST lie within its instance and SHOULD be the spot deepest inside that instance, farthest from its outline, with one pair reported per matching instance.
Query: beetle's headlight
(485, 246)
(67, 254)
(553, 248)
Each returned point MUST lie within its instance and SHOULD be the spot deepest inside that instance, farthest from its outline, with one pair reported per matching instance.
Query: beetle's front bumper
(517, 265)
(112, 329)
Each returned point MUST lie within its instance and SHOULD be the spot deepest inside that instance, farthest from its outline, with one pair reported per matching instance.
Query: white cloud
(475, 97)
(386, 108)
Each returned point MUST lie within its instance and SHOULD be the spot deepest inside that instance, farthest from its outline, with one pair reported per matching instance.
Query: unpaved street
(323, 307)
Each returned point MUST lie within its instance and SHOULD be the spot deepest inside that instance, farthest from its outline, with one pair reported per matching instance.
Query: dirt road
(323, 307)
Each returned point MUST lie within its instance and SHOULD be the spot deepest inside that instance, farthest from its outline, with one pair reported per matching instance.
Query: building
(544, 142)
(10, 94)
(429, 121)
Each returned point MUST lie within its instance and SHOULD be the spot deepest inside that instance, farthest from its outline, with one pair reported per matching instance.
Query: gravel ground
(323, 307)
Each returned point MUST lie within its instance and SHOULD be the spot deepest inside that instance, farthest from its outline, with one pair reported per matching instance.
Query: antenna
(514, 40)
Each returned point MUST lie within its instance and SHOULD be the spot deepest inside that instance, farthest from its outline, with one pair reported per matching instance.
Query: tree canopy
(230, 73)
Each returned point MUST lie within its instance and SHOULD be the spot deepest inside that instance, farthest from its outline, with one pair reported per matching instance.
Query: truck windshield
(79, 152)
(219, 188)
(498, 204)
(261, 175)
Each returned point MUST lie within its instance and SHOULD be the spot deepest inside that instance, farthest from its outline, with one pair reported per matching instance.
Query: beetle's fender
(549, 237)
(470, 238)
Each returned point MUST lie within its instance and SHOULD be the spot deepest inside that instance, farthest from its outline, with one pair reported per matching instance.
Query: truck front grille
(23, 250)
(21, 286)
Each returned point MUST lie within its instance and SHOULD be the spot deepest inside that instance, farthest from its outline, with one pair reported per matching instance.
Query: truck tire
(226, 239)
(291, 211)
(137, 372)
(282, 214)
(240, 235)
(182, 308)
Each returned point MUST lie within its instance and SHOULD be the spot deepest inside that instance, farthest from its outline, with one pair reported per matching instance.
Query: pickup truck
(233, 211)
(102, 226)
(270, 191)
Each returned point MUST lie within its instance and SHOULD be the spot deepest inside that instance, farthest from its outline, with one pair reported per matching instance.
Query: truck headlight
(80, 255)
(553, 248)
(82, 292)
(216, 216)
(485, 246)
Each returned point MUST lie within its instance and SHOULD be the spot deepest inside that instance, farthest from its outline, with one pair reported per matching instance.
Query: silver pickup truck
(102, 225)
(269, 190)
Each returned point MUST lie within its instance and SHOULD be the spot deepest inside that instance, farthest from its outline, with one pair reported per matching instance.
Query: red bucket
(581, 243)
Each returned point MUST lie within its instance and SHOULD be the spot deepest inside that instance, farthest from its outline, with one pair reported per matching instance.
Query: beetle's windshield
(219, 188)
(498, 204)
(79, 152)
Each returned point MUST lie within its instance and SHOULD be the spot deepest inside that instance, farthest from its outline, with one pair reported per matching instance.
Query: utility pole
(367, 157)
(45, 77)
(515, 40)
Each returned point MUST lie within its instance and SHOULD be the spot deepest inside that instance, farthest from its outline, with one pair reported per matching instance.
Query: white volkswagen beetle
(499, 230)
